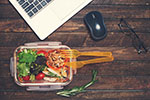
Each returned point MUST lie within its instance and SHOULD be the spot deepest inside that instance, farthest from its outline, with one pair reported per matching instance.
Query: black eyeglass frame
(141, 47)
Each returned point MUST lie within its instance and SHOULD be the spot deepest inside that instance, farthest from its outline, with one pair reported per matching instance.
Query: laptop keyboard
(31, 7)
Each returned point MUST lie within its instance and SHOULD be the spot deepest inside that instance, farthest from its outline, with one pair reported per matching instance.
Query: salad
(34, 65)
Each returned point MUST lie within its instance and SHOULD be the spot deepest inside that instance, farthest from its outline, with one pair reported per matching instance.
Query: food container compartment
(42, 85)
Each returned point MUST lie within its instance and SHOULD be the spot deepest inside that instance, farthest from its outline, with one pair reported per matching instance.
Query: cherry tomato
(40, 76)
(41, 51)
(26, 78)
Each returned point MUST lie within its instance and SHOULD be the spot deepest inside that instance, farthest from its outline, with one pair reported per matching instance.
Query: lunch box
(40, 85)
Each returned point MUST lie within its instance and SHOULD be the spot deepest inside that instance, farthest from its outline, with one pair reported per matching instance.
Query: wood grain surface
(126, 78)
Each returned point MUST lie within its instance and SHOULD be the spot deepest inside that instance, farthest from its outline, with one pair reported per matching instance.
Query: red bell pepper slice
(42, 51)
(54, 68)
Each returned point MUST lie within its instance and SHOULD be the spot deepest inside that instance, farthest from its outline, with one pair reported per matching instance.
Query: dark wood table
(126, 78)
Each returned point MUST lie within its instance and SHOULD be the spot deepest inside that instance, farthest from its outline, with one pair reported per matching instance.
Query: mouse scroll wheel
(97, 26)
(93, 16)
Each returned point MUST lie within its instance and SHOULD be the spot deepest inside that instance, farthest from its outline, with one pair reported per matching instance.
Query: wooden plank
(90, 95)
(75, 25)
(113, 39)
(117, 11)
(118, 68)
(121, 2)
(107, 2)
(104, 82)
(25, 38)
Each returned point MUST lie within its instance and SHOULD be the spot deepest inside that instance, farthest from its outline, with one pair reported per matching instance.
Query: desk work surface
(126, 78)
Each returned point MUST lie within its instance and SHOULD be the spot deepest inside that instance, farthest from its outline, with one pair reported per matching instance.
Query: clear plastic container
(40, 85)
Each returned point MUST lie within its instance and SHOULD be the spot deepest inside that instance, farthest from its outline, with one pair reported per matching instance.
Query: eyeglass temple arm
(141, 42)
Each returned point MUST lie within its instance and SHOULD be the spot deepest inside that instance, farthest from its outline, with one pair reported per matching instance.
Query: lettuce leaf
(27, 56)
(23, 69)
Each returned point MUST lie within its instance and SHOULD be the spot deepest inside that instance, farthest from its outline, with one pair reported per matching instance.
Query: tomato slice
(42, 51)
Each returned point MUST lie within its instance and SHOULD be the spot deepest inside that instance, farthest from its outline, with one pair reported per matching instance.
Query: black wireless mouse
(95, 24)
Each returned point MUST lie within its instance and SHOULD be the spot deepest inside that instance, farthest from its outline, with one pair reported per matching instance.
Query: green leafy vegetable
(76, 90)
(27, 56)
(23, 68)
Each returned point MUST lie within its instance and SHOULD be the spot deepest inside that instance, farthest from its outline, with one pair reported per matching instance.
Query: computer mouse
(95, 24)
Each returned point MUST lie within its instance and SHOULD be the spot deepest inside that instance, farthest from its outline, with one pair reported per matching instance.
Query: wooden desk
(126, 78)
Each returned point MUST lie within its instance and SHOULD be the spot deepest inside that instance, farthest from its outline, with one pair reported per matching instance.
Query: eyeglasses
(136, 41)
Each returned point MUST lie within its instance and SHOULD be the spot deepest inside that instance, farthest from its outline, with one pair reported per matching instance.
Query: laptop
(45, 16)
